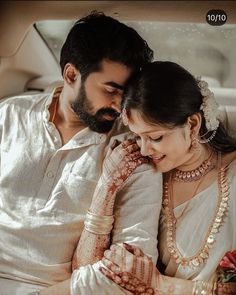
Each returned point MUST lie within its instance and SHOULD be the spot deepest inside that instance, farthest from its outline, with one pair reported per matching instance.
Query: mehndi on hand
(129, 268)
(118, 165)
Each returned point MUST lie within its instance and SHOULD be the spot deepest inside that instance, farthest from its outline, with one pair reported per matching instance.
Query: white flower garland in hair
(209, 106)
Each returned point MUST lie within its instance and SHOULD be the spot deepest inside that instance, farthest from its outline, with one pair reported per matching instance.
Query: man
(52, 148)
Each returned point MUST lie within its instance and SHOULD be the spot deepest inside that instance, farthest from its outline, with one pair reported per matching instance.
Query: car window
(203, 49)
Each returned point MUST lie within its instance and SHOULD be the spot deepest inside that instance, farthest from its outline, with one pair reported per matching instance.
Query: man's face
(99, 98)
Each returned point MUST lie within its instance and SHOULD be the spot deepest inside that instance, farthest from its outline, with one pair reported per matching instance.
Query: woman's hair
(165, 93)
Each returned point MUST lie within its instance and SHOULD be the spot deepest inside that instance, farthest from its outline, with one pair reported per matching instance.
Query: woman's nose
(145, 148)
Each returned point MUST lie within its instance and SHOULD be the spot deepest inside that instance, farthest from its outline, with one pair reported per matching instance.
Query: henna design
(138, 274)
(92, 252)
(118, 166)
(129, 282)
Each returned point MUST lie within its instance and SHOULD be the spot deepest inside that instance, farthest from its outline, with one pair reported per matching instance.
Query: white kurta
(45, 191)
(192, 229)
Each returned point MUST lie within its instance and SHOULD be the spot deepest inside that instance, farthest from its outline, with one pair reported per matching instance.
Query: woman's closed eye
(157, 139)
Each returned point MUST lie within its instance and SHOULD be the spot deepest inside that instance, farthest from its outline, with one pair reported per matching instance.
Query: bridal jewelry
(195, 174)
(176, 218)
(202, 255)
(98, 224)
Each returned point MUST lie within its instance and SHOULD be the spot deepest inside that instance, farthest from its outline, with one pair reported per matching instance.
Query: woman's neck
(195, 159)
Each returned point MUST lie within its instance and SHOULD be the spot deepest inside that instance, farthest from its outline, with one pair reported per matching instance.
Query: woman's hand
(119, 164)
(128, 267)
(131, 269)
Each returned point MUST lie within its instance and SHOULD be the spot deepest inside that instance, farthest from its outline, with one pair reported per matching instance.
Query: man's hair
(97, 37)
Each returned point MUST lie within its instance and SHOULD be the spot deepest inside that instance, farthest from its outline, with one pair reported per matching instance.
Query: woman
(176, 121)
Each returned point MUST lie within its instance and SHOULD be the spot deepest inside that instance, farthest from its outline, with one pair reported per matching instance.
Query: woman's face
(168, 148)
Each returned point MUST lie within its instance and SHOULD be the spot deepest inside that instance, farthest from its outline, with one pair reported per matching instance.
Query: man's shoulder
(28, 99)
(119, 132)
(23, 101)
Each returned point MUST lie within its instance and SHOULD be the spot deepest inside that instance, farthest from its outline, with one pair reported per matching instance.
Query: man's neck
(63, 117)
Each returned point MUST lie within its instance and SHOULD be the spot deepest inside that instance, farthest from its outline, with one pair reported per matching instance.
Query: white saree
(192, 228)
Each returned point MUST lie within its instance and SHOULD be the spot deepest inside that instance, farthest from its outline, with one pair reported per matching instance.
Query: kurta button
(50, 174)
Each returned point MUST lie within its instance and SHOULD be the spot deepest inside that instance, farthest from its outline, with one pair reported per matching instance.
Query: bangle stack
(98, 224)
(203, 288)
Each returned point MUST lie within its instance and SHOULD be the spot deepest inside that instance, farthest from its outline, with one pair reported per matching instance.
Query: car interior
(32, 33)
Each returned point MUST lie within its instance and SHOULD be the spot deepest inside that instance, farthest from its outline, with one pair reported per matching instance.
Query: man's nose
(116, 104)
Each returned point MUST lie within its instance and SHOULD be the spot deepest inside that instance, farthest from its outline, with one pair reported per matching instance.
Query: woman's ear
(194, 122)
(70, 73)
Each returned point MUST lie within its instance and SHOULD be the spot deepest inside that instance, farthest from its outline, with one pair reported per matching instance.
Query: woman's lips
(157, 160)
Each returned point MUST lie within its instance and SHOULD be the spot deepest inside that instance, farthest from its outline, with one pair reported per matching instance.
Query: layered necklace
(203, 253)
(197, 173)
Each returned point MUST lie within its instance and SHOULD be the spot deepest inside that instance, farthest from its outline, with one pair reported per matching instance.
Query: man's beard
(82, 107)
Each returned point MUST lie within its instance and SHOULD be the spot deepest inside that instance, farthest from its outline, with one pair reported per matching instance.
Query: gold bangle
(98, 224)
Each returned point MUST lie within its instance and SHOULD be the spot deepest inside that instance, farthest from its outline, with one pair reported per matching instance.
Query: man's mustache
(107, 111)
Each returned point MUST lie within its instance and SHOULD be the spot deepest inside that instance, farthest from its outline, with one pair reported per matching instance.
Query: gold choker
(195, 174)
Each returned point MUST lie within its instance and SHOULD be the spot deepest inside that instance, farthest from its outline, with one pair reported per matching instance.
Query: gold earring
(194, 147)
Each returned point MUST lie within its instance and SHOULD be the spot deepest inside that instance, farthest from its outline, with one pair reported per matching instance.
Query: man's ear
(70, 73)
(194, 122)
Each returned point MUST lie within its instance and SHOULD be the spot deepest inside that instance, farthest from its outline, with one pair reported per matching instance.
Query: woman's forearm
(95, 238)
(117, 167)
(90, 249)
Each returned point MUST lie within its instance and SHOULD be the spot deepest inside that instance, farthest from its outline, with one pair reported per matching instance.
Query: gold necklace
(186, 206)
(202, 255)
(197, 173)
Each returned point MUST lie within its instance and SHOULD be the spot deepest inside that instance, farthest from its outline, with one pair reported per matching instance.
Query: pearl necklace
(202, 255)
(195, 174)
